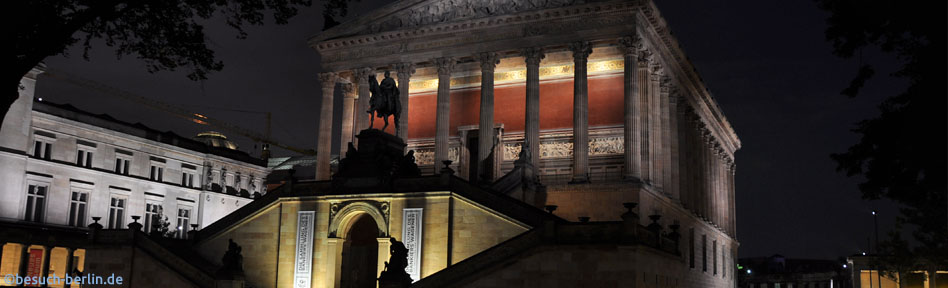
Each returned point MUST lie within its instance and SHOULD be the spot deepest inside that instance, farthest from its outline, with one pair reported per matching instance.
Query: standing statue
(233, 262)
(384, 100)
(394, 275)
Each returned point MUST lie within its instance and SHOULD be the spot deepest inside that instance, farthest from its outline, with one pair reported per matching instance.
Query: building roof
(140, 130)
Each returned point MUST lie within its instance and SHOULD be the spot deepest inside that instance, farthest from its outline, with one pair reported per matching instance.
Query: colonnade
(667, 144)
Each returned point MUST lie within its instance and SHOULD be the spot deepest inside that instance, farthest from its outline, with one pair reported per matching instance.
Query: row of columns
(446, 66)
(707, 173)
(656, 151)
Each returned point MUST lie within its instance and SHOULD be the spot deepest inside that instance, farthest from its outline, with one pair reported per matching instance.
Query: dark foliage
(902, 153)
(165, 34)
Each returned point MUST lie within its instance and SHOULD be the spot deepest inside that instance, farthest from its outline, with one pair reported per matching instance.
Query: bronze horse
(384, 100)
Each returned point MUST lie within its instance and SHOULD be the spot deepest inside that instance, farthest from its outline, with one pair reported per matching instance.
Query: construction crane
(177, 111)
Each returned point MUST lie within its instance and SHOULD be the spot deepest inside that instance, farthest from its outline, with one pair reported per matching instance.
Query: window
(187, 178)
(691, 247)
(704, 253)
(714, 255)
(184, 220)
(83, 157)
(36, 202)
(156, 172)
(77, 208)
(42, 148)
(152, 216)
(121, 165)
(117, 213)
(724, 265)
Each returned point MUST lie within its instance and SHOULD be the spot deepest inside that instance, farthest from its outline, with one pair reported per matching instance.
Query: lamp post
(875, 222)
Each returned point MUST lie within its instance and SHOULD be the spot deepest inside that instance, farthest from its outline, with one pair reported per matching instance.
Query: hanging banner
(411, 237)
(34, 268)
(302, 274)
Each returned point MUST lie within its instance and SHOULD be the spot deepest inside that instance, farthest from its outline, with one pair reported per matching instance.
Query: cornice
(450, 28)
(657, 32)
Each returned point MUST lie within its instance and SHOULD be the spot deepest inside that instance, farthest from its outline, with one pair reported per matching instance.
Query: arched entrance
(360, 254)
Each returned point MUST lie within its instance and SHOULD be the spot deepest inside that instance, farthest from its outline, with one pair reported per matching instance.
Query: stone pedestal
(377, 160)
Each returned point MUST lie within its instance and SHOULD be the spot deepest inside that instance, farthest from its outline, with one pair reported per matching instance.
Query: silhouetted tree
(166, 34)
(902, 153)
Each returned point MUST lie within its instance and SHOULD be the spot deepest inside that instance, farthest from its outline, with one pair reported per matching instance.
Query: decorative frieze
(425, 156)
(564, 149)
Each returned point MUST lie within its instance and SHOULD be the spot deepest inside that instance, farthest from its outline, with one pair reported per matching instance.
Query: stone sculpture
(384, 100)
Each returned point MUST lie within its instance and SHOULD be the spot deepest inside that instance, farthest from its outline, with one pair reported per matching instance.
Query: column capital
(445, 65)
(630, 45)
(645, 57)
(581, 50)
(404, 69)
(362, 74)
(348, 90)
(328, 79)
(666, 83)
(488, 60)
(657, 70)
(533, 55)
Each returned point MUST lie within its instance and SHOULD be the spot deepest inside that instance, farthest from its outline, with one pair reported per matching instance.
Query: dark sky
(766, 62)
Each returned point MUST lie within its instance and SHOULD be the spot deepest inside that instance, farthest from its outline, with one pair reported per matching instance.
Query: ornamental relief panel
(425, 156)
(564, 149)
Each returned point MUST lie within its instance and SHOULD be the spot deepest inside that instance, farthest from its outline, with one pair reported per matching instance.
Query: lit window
(77, 208)
(117, 213)
(184, 219)
(36, 202)
(152, 216)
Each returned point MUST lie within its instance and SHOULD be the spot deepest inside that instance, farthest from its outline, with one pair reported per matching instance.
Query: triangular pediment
(410, 14)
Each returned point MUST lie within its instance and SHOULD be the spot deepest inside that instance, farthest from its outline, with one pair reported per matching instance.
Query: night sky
(766, 63)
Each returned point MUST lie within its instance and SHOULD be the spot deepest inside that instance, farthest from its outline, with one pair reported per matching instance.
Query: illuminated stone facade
(626, 150)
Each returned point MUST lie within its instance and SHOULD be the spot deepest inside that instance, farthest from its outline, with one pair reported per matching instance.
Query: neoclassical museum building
(541, 143)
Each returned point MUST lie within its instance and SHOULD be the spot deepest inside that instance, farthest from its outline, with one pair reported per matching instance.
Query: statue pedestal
(378, 159)
(394, 279)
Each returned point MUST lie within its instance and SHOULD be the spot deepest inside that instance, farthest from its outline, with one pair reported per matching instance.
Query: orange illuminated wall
(556, 107)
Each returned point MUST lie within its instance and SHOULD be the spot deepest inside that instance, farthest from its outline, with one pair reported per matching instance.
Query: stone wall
(476, 229)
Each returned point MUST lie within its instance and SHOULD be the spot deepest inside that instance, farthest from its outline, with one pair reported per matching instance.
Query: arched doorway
(360, 254)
